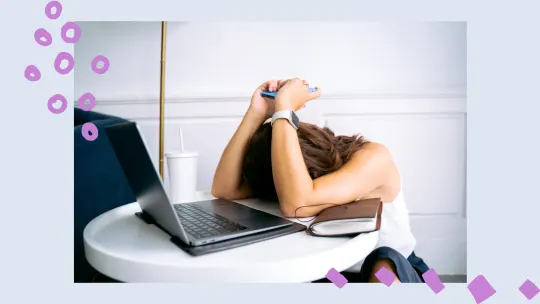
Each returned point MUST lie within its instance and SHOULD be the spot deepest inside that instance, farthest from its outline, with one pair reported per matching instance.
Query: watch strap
(285, 114)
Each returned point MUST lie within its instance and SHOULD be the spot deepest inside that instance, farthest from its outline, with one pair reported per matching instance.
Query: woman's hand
(265, 107)
(294, 94)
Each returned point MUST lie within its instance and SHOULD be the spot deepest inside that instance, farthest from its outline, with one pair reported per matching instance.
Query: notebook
(360, 216)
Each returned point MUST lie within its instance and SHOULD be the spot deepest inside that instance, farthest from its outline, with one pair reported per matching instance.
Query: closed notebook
(360, 216)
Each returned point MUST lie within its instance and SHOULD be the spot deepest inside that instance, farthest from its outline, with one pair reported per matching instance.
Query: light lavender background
(37, 151)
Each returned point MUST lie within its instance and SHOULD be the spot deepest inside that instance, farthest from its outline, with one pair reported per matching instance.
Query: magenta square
(433, 281)
(529, 289)
(480, 289)
(385, 276)
(337, 278)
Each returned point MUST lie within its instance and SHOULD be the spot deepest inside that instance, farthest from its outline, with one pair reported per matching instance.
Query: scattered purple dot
(385, 276)
(529, 289)
(480, 289)
(89, 131)
(57, 98)
(32, 73)
(76, 32)
(43, 37)
(58, 62)
(433, 281)
(87, 97)
(337, 278)
(53, 5)
(100, 59)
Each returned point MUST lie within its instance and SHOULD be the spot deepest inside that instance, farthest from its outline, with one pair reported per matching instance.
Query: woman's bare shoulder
(373, 159)
(378, 155)
(373, 151)
(379, 159)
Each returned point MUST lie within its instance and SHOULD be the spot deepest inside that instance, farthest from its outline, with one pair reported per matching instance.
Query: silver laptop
(196, 223)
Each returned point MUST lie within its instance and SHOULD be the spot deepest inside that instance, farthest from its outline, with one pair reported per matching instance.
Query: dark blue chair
(99, 183)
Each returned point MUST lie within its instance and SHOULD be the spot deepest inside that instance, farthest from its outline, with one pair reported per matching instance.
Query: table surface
(123, 247)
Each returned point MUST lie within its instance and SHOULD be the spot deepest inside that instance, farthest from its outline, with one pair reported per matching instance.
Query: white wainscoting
(426, 133)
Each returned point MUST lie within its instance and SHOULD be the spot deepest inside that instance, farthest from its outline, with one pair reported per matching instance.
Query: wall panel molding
(326, 106)
(216, 97)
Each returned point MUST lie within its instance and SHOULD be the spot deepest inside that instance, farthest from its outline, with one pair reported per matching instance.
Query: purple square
(337, 278)
(480, 289)
(529, 289)
(385, 276)
(433, 281)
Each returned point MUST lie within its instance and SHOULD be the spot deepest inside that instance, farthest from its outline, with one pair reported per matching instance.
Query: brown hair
(323, 153)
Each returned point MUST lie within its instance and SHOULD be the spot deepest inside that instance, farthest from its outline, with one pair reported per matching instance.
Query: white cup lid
(179, 154)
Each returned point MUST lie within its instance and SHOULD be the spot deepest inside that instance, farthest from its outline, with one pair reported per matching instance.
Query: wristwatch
(289, 115)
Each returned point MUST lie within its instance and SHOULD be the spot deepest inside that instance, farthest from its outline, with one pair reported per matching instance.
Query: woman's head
(323, 153)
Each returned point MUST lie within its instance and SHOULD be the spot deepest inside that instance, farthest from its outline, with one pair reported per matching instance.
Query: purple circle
(76, 32)
(43, 37)
(58, 61)
(48, 9)
(87, 97)
(55, 98)
(89, 131)
(98, 59)
(32, 73)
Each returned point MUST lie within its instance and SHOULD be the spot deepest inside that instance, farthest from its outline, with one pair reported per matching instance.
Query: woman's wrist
(255, 115)
(283, 105)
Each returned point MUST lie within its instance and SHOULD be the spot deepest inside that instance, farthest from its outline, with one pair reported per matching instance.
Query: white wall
(403, 84)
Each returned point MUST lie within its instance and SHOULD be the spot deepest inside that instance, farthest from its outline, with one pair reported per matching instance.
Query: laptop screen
(133, 156)
(142, 176)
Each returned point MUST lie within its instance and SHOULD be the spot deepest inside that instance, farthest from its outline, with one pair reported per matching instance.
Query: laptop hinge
(147, 218)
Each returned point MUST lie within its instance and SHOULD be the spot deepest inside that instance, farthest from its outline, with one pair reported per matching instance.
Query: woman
(309, 169)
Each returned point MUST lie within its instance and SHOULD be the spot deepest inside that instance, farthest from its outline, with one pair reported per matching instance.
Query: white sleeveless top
(395, 231)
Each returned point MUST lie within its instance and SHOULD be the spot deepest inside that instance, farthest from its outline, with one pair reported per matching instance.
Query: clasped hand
(292, 94)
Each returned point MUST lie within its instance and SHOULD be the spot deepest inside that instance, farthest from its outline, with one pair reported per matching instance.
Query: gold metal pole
(162, 97)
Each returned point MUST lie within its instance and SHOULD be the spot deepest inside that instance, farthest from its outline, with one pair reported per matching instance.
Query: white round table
(123, 247)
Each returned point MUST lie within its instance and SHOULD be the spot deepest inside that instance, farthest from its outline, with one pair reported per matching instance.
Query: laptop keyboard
(202, 223)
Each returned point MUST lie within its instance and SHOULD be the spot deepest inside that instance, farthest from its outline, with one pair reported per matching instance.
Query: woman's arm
(228, 181)
(367, 169)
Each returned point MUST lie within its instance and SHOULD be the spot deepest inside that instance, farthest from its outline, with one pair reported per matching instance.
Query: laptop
(194, 223)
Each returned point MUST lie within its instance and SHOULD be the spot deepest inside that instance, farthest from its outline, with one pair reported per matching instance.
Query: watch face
(295, 120)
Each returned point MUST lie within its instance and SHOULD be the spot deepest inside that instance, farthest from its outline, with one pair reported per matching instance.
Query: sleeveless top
(395, 231)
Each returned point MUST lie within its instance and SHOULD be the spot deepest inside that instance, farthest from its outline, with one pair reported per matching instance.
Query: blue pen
(272, 95)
